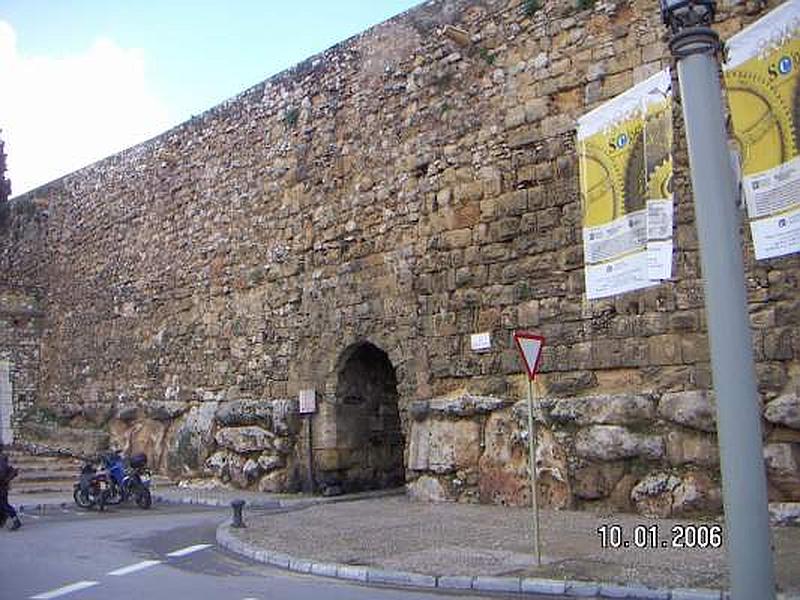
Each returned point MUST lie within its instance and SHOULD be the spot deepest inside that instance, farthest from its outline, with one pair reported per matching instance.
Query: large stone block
(444, 446)
(611, 442)
(245, 412)
(617, 409)
(783, 468)
(695, 409)
(784, 410)
(245, 439)
(190, 440)
(689, 447)
(427, 489)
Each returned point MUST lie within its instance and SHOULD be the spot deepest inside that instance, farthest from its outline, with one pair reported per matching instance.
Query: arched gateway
(369, 439)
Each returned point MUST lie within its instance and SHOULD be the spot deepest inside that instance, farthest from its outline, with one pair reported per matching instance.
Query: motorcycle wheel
(81, 499)
(115, 495)
(143, 498)
(101, 501)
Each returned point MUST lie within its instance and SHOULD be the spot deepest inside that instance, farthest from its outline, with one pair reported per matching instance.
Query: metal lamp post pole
(738, 408)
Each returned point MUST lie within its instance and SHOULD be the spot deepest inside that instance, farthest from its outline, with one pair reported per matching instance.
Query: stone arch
(369, 443)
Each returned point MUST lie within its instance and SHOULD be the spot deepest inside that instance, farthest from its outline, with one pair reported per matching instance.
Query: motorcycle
(128, 482)
(92, 488)
(136, 483)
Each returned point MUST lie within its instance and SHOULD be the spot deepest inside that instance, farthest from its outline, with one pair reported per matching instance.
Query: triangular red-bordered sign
(530, 349)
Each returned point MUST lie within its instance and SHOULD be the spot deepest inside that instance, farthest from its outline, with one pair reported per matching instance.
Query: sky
(83, 79)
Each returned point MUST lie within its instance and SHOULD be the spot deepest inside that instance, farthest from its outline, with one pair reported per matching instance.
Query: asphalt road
(166, 553)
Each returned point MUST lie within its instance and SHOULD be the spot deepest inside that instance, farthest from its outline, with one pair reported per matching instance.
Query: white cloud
(60, 113)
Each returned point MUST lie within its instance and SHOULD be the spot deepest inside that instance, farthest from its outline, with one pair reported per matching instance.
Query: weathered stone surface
(694, 409)
(84, 442)
(784, 410)
(245, 439)
(784, 514)
(652, 496)
(465, 405)
(245, 412)
(427, 489)
(191, 440)
(444, 446)
(611, 442)
(618, 409)
(270, 461)
(165, 410)
(689, 447)
(664, 495)
(783, 468)
(503, 466)
(596, 480)
(697, 493)
(274, 482)
(147, 436)
(552, 477)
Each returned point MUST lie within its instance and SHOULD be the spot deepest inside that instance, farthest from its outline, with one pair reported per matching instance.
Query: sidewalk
(381, 537)
(489, 548)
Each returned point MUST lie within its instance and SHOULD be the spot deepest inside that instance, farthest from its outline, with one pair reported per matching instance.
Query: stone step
(46, 475)
(42, 487)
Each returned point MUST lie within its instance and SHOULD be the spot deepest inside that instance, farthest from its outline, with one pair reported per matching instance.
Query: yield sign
(530, 348)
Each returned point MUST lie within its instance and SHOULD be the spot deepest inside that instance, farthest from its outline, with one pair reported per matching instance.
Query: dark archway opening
(368, 431)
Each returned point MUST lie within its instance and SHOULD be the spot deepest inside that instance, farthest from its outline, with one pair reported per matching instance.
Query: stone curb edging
(519, 585)
(26, 507)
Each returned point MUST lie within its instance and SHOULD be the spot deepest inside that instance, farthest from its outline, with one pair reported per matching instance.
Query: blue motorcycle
(131, 482)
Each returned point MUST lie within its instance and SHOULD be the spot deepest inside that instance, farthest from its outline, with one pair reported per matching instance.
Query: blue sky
(87, 78)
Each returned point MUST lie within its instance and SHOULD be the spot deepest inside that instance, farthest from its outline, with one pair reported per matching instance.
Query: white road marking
(63, 591)
(188, 550)
(137, 567)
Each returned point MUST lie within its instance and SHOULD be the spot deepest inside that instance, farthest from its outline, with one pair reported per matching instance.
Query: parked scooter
(92, 488)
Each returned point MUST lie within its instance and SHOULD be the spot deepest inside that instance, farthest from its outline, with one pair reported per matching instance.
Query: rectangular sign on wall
(307, 401)
(625, 157)
(762, 77)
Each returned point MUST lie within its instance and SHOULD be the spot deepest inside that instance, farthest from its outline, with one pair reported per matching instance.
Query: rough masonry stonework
(345, 226)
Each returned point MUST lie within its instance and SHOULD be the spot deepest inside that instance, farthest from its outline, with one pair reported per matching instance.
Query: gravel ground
(460, 539)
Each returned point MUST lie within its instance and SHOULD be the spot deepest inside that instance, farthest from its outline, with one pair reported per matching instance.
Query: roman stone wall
(22, 232)
(409, 187)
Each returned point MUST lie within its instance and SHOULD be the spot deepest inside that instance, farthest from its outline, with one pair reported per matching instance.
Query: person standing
(7, 473)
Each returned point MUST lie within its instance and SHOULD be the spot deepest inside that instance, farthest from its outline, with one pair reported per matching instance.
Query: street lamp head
(681, 14)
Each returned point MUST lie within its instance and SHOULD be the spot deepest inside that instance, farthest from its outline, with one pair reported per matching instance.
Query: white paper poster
(625, 153)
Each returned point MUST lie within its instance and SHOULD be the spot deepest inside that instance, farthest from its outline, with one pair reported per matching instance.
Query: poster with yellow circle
(625, 159)
(762, 76)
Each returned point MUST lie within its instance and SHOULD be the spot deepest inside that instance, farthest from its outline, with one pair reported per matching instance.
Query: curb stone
(518, 585)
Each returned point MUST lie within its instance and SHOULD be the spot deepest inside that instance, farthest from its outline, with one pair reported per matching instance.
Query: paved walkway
(384, 538)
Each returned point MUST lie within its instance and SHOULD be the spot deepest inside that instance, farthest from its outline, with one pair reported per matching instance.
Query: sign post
(307, 407)
(530, 348)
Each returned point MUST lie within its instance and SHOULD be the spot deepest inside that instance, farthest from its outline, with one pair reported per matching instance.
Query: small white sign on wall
(481, 342)
(308, 401)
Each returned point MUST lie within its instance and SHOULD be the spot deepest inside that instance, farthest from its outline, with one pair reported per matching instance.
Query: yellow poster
(762, 76)
(625, 155)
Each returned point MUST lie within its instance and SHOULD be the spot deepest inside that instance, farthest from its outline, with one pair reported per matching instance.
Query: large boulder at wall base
(617, 409)
(695, 409)
(784, 410)
(191, 440)
(165, 410)
(427, 489)
(611, 442)
(444, 446)
(783, 468)
(245, 439)
(237, 413)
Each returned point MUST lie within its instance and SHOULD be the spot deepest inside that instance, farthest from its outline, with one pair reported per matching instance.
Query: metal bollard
(237, 505)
